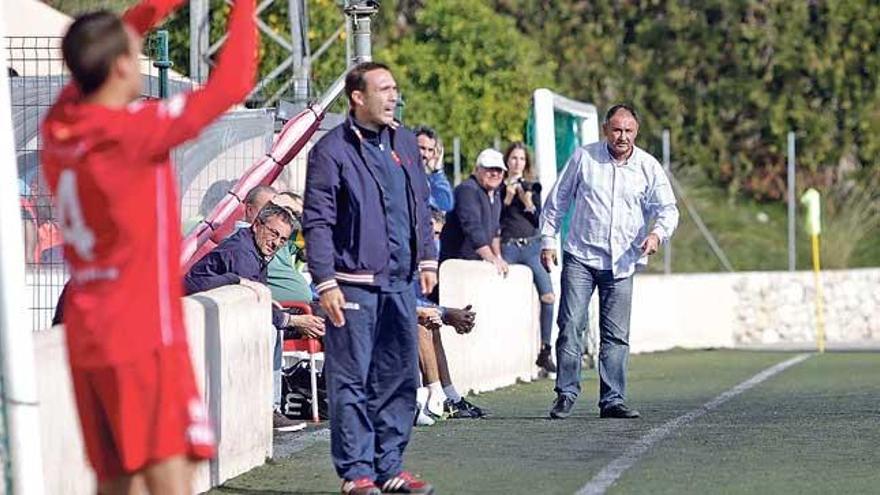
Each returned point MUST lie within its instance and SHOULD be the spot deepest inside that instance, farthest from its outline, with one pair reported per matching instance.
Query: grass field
(812, 428)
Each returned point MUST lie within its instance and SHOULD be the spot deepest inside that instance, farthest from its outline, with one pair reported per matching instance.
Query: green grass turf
(813, 426)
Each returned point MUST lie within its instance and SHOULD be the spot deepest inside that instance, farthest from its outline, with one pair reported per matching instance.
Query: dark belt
(522, 241)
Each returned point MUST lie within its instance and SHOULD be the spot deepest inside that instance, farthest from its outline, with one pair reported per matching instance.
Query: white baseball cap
(491, 158)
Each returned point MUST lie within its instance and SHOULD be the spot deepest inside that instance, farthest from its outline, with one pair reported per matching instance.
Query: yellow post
(813, 226)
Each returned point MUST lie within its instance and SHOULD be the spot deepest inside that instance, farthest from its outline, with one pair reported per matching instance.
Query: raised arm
(176, 120)
(148, 14)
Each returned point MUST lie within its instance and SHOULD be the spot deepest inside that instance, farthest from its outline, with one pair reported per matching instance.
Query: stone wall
(779, 307)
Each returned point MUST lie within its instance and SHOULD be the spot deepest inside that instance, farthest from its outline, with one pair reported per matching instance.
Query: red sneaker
(405, 482)
(360, 486)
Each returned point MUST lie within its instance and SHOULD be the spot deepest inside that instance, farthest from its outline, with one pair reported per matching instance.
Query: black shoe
(619, 411)
(463, 410)
(562, 406)
(281, 422)
(545, 361)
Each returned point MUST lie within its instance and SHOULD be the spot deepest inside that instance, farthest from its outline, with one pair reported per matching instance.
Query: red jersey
(116, 192)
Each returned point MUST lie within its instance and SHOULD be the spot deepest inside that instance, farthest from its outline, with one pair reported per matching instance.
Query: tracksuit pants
(371, 370)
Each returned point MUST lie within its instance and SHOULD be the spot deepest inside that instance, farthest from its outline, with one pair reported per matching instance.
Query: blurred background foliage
(729, 78)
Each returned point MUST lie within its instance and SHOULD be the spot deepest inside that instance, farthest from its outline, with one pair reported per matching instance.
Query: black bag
(296, 392)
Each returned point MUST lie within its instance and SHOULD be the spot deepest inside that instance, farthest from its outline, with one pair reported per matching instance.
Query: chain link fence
(210, 164)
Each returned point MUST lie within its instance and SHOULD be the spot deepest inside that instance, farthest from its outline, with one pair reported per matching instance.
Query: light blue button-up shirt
(615, 205)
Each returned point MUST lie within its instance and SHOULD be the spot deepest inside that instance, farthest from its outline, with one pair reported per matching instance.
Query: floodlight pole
(361, 12)
(791, 203)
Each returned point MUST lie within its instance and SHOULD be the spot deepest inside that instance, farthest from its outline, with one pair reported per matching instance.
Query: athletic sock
(451, 393)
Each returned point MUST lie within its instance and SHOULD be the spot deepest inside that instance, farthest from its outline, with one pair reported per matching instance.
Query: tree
(466, 71)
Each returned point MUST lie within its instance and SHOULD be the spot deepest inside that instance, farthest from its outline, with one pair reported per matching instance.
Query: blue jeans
(530, 255)
(372, 369)
(615, 303)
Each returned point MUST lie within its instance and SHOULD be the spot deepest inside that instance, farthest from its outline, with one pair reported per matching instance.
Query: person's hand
(429, 318)
(548, 258)
(501, 266)
(438, 158)
(310, 326)
(332, 302)
(428, 281)
(258, 288)
(462, 320)
(650, 244)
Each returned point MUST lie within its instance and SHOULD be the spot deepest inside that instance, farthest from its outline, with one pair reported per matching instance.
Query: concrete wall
(504, 343)
(231, 346)
(754, 309)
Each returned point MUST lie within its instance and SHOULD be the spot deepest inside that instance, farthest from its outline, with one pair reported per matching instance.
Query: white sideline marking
(610, 473)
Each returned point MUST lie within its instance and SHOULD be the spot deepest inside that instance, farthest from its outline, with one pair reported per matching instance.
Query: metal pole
(199, 32)
(497, 143)
(456, 161)
(20, 396)
(791, 203)
(299, 33)
(361, 12)
(667, 249)
(162, 62)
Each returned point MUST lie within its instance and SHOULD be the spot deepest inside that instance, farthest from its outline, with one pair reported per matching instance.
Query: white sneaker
(422, 416)
(435, 402)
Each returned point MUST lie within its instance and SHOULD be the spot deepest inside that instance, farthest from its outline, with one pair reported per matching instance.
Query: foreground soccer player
(106, 158)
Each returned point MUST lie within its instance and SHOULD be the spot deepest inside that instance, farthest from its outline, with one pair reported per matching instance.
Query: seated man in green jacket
(287, 284)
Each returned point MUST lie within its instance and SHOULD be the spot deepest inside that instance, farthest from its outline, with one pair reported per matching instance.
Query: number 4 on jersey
(73, 226)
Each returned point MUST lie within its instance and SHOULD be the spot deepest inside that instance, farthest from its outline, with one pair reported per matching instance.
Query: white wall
(504, 343)
(231, 345)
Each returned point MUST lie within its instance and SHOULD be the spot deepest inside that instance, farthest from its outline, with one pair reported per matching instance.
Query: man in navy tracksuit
(368, 232)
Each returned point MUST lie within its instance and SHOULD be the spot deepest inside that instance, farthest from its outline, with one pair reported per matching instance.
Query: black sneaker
(405, 482)
(619, 411)
(562, 406)
(545, 360)
(463, 410)
(281, 422)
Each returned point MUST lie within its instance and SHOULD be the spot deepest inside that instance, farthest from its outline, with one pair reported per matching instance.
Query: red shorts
(142, 412)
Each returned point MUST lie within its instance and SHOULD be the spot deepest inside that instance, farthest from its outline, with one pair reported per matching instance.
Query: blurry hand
(460, 319)
(429, 318)
(332, 301)
(548, 259)
(501, 266)
(310, 326)
(428, 281)
(650, 244)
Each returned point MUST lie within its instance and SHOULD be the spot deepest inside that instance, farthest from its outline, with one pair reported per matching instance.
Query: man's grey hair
(284, 214)
(618, 107)
(251, 196)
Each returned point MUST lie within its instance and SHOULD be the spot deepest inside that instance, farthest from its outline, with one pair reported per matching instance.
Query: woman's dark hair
(528, 173)
(90, 47)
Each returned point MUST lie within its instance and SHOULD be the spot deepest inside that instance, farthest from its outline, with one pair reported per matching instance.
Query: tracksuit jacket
(344, 223)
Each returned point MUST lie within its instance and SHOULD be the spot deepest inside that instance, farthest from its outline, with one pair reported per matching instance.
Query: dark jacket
(235, 258)
(344, 223)
(472, 223)
(516, 222)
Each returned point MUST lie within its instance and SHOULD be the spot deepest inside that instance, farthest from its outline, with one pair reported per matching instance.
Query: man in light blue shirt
(624, 209)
